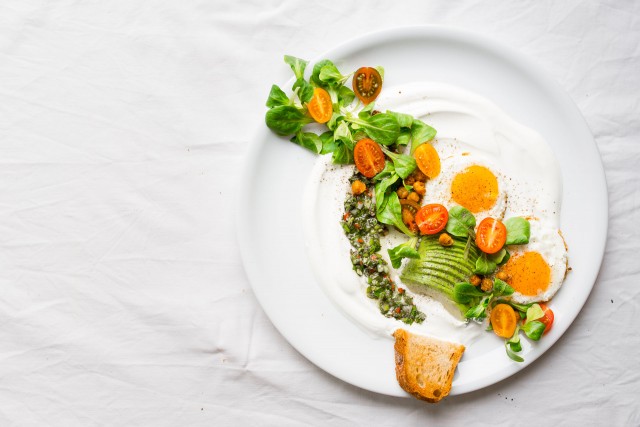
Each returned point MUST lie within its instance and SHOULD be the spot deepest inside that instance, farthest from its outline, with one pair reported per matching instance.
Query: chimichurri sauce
(363, 231)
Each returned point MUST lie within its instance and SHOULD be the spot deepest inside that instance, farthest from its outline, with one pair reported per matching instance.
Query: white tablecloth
(123, 126)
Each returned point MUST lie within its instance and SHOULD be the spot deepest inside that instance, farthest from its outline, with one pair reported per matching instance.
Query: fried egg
(469, 180)
(536, 270)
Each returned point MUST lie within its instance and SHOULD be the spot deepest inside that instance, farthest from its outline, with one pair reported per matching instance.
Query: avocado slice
(439, 268)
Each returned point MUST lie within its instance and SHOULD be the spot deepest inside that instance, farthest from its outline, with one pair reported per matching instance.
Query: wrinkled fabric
(123, 127)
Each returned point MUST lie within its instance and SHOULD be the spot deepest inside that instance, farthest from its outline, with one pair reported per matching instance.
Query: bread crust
(425, 366)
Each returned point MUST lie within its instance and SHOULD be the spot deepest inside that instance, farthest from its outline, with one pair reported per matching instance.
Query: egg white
(548, 242)
(454, 159)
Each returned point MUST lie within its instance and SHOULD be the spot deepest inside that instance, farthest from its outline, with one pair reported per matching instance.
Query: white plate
(270, 230)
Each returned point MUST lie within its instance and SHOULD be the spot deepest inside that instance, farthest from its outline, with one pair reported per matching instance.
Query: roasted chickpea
(445, 240)
(358, 187)
(419, 176)
(402, 193)
(407, 217)
(502, 276)
(486, 285)
(475, 280)
(418, 187)
(414, 197)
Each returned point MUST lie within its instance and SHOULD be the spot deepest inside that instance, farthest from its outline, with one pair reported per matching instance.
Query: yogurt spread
(471, 129)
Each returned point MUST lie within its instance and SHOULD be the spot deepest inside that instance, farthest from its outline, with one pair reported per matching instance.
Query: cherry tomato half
(503, 320)
(367, 84)
(428, 160)
(491, 235)
(548, 317)
(432, 218)
(368, 157)
(320, 106)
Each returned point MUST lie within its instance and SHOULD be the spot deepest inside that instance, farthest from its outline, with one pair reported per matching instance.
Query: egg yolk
(475, 188)
(528, 273)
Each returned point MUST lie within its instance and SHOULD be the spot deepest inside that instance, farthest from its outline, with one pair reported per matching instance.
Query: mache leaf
(404, 120)
(403, 250)
(391, 214)
(501, 288)
(297, 65)
(534, 312)
(464, 292)
(420, 133)
(518, 231)
(404, 165)
(533, 329)
(303, 89)
(308, 140)
(286, 119)
(461, 222)
(277, 97)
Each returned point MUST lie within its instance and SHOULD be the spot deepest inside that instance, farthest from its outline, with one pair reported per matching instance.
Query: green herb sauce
(363, 231)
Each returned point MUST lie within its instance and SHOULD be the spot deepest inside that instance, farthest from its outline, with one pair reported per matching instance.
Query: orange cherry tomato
(548, 317)
(368, 157)
(320, 106)
(491, 235)
(432, 219)
(503, 320)
(428, 160)
(367, 83)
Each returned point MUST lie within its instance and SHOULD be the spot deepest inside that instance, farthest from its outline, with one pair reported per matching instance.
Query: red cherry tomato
(432, 219)
(548, 317)
(491, 235)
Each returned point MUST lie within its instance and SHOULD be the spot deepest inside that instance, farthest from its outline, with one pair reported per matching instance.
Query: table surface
(123, 128)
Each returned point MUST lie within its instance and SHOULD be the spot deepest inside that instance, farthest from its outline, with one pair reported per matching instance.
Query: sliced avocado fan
(439, 268)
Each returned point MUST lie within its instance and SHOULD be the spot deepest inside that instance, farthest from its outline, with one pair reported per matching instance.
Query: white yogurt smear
(466, 122)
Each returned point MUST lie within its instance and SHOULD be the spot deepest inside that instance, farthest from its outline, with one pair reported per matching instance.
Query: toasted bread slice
(424, 365)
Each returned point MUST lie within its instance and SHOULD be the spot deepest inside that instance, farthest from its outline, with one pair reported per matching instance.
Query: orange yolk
(528, 273)
(475, 188)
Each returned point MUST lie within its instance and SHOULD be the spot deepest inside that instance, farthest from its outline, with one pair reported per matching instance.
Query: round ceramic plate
(276, 171)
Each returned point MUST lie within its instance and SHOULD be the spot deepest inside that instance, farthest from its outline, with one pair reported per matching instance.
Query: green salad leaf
(345, 96)
(391, 213)
(382, 195)
(403, 250)
(420, 133)
(404, 165)
(479, 311)
(518, 231)
(286, 119)
(297, 65)
(534, 313)
(464, 293)
(342, 155)
(533, 329)
(501, 288)
(461, 222)
(404, 120)
(367, 110)
(513, 346)
(330, 75)
(308, 140)
(317, 68)
(328, 142)
(488, 263)
(382, 128)
(303, 89)
(277, 97)
(404, 138)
